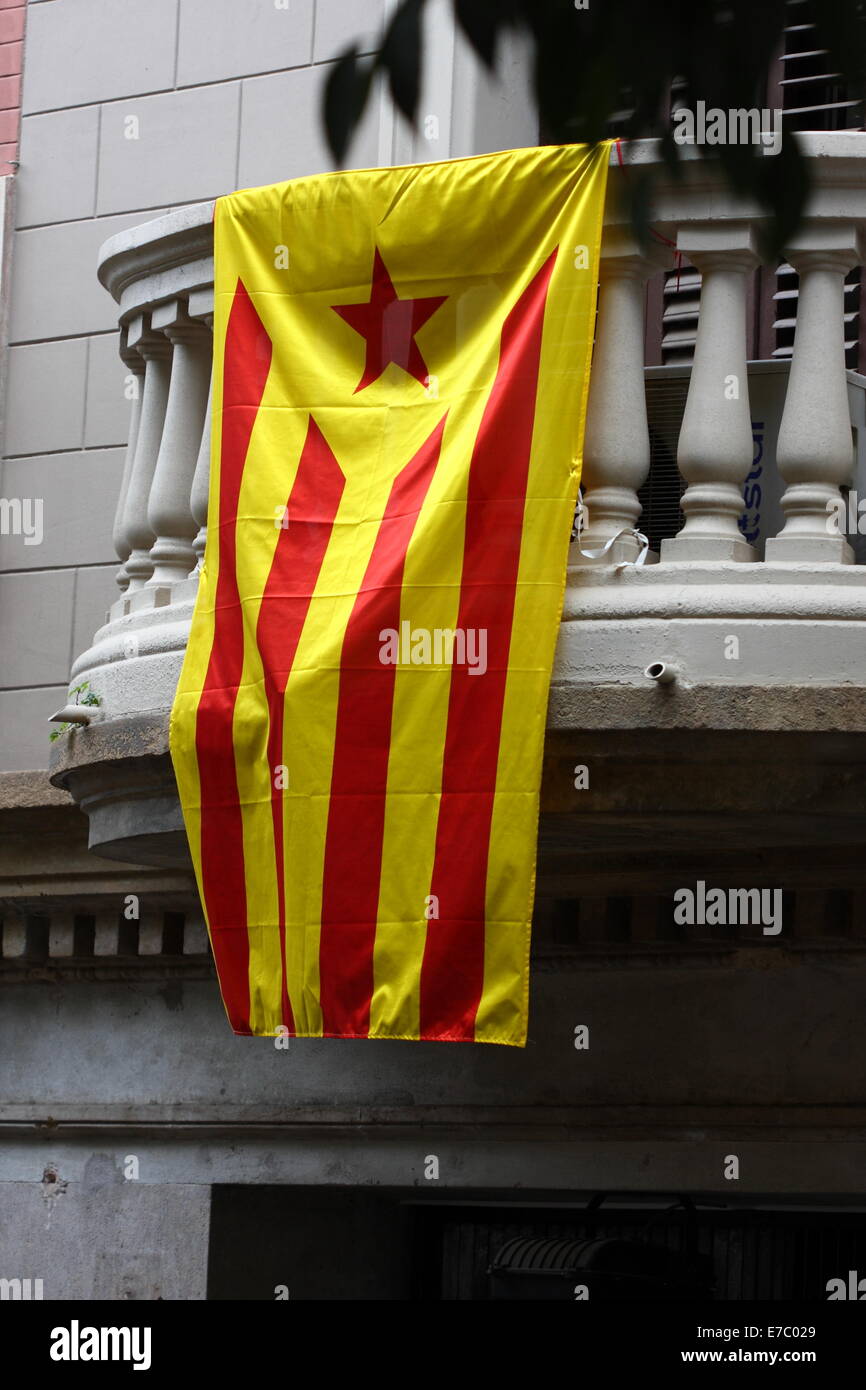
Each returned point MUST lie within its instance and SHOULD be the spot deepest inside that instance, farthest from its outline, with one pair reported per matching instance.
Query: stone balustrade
(711, 607)
(679, 608)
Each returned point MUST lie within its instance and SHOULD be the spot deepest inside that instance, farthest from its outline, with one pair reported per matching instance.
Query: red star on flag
(389, 325)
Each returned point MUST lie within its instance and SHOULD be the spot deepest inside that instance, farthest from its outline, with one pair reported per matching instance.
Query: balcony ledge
(704, 763)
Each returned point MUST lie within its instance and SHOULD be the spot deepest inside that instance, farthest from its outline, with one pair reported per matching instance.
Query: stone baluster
(715, 446)
(201, 487)
(814, 452)
(155, 351)
(201, 303)
(168, 511)
(135, 375)
(617, 445)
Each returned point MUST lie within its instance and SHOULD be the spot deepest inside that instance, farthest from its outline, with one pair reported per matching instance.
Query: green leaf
(480, 21)
(784, 192)
(346, 93)
(401, 57)
(593, 66)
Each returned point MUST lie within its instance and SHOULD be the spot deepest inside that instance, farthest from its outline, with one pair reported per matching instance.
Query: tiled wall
(217, 94)
(225, 93)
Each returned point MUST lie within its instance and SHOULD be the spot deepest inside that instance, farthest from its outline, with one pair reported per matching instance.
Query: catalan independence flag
(400, 380)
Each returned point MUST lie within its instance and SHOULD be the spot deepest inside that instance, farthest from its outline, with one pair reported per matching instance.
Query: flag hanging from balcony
(401, 364)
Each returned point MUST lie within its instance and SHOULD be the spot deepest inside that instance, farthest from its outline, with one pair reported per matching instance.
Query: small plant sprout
(78, 695)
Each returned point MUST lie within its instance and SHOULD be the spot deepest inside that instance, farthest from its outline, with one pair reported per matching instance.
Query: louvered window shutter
(812, 97)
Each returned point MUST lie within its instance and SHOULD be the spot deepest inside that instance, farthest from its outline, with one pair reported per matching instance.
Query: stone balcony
(716, 654)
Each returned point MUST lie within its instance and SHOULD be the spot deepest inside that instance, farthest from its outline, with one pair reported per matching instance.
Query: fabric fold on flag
(401, 367)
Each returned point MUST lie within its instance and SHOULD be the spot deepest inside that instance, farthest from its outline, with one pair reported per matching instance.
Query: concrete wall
(130, 109)
(687, 1063)
(103, 1237)
(765, 1029)
(156, 1156)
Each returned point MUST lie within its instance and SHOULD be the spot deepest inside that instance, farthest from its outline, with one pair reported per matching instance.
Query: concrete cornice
(29, 791)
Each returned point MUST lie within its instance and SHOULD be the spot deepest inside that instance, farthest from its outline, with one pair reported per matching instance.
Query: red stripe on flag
(452, 973)
(300, 550)
(356, 816)
(248, 351)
